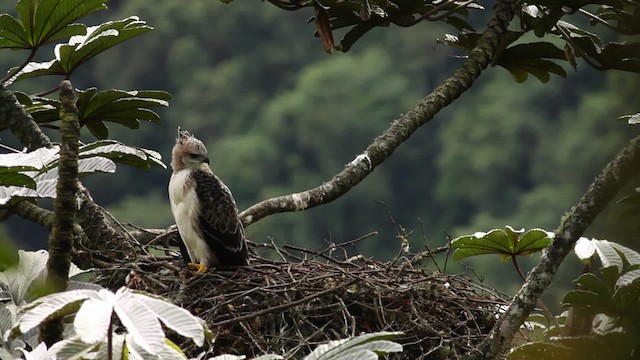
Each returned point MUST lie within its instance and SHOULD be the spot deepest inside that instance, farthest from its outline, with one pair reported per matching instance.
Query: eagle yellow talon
(197, 268)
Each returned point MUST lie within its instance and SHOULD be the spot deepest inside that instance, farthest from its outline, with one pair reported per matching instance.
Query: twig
(426, 245)
(284, 306)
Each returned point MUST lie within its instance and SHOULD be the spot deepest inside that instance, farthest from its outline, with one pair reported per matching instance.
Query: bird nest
(291, 305)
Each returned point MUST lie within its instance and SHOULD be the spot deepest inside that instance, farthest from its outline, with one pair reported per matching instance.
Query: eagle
(204, 209)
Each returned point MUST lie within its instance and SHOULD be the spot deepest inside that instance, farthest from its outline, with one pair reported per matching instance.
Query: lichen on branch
(399, 131)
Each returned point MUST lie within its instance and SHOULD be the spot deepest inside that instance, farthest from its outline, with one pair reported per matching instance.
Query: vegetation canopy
(290, 305)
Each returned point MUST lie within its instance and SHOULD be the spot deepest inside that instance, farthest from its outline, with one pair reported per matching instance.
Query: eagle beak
(206, 159)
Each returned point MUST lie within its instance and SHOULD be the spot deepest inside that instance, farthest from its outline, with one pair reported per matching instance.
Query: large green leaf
(16, 167)
(507, 243)
(94, 157)
(40, 22)
(118, 152)
(82, 48)
(12, 33)
(174, 317)
(126, 108)
(20, 279)
(593, 294)
(98, 39)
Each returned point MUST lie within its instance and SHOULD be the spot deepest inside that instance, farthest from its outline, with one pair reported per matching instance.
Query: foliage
(95, 107)
(19, 285)
(139, 313)
(612, 300)
(34, 174)
(41, 22)
(507, 243)
(367, 346)
(93, 309)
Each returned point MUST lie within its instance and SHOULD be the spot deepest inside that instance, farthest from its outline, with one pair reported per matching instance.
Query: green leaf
(595, 303)
(99, 38)
(49, 20)
(12, 33)
(537, 67)
(631, 256)
(508, 243)
(631, 199)
(591, 282)
(584, 249)
(631, 119)
(17, 179)
(34, 69)
(120, 153)
(608, 255)
(20, 279)
(628, 278)
(82, 48)
(95, 108)
(532, 241)
(626, 297)
(466, 41)
(98, 129)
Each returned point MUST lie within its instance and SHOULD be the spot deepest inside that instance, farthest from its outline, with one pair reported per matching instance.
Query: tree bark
(20, 122)
(399, 131)
(91, 217)
(61, 239)
(603, 189)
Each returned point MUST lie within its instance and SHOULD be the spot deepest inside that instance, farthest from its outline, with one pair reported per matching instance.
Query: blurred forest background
(279, 116)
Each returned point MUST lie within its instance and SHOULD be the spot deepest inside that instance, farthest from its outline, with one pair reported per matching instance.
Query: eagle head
(188, 152)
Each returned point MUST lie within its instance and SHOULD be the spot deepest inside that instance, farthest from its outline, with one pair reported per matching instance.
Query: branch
(602, 190)
(43, 217)
(61, 238)
(20, 122)
(91, 217)
(383, 146)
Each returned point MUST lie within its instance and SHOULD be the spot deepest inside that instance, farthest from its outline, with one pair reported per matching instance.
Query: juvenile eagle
(204, 209)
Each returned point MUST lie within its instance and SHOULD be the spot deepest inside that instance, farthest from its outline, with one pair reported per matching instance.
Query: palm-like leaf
(82, 48)
(139, 313)
(126, 108)
(94, 157)
(367, 346)
(40, 22)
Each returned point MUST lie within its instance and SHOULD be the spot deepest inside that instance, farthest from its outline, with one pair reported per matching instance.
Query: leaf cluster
(40, 22)
(507, 243)
(611, 301)
(34, 175)
(544, 18)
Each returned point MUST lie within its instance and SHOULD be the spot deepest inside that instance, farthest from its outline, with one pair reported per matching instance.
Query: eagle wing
(218, 223)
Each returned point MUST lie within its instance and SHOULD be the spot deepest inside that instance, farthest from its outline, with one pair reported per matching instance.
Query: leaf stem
(11, 74)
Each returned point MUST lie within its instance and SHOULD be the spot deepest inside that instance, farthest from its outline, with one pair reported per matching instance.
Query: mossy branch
(603, 189)
(399, 131)
(91, 216)
(20, 122)
(61, 238)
